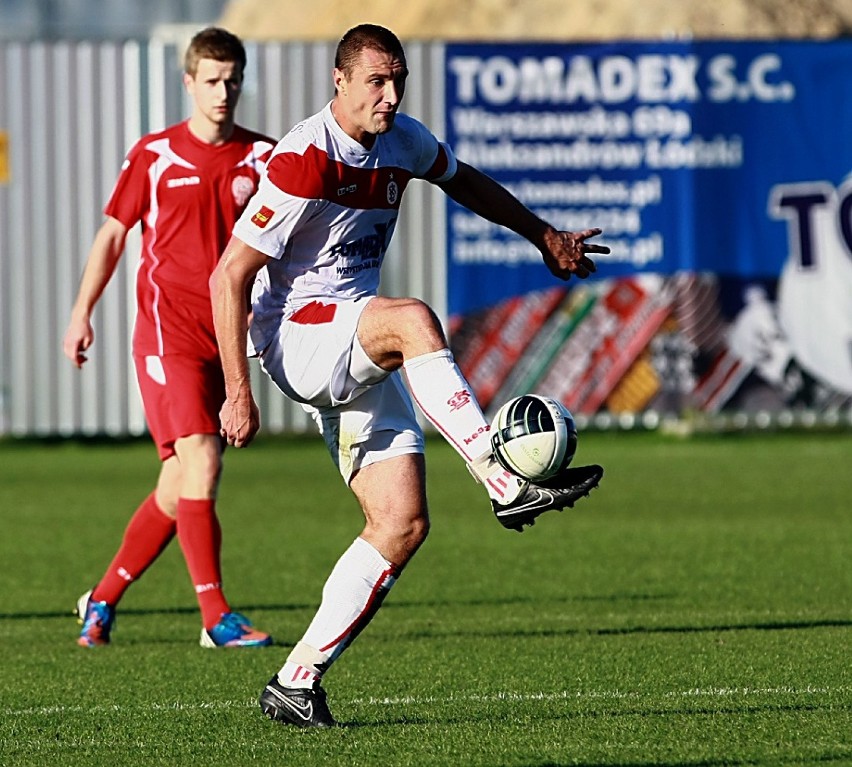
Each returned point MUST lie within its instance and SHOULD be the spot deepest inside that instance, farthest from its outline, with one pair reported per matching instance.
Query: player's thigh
(181, 396)
(377, 425)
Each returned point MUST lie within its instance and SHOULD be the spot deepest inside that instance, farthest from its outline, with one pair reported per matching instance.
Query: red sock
(200, 538)
(147, 534)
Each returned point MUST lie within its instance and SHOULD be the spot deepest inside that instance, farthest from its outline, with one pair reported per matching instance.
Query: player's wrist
(238, 391)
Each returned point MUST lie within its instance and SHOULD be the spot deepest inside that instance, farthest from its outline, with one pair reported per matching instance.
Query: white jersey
(325, 210)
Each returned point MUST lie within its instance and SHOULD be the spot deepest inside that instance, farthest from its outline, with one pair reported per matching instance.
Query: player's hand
(78, 338)
(567, 253)
(240, 420)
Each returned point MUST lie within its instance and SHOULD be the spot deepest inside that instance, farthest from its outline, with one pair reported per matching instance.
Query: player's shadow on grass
(294, 607)
(523, 600)
(147, 611)
(777, 625)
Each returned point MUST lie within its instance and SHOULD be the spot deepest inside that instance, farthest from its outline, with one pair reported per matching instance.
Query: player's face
(215, 89)
(367, 100)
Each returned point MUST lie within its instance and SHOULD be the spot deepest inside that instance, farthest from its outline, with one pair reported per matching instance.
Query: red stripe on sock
(369, 607)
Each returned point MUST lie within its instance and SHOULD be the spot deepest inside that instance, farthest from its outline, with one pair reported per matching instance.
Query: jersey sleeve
(131, 193)
(445, 165)
(436, 162)
(273, 215)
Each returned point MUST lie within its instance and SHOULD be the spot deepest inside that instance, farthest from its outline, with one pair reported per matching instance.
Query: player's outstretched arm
(564, 253)
(239, 416)
(103, 258)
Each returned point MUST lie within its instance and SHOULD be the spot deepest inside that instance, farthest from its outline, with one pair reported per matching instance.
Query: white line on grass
(414, 700)
(709, 692)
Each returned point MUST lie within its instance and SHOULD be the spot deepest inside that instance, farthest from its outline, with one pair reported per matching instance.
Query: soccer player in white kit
(313, 238)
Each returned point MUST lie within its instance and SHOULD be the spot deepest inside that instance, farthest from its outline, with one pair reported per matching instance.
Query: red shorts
(181, 396)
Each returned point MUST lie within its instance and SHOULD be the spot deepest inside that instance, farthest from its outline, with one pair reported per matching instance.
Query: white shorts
(363, 412)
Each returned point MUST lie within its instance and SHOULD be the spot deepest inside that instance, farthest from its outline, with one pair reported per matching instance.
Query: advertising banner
(721, 174)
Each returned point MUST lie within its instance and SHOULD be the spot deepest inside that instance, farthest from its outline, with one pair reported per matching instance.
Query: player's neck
(210, 132)
(365, 139)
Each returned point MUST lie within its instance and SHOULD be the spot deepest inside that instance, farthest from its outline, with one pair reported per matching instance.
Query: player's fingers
(581, 267)
(587, 264)
(586, 233)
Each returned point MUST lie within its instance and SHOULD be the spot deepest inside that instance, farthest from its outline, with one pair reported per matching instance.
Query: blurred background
(436, 20)
(685, 343)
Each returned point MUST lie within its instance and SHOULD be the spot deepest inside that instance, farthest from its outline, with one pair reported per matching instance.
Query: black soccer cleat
(553, 494)
(291, 705)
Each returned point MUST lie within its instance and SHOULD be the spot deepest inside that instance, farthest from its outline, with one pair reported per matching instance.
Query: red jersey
(187, 195)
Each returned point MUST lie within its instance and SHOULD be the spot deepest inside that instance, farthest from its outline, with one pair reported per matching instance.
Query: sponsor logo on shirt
(173, 183)
(262, 217)
(363, 253)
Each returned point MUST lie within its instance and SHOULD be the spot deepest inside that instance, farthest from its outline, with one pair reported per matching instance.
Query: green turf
(696, 610)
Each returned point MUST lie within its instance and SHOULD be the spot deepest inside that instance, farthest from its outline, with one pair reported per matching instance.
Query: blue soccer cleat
(234, 630)
(97, 618)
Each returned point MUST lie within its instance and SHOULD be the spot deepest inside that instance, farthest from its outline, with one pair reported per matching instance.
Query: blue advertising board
(721, 175)
(679, 151)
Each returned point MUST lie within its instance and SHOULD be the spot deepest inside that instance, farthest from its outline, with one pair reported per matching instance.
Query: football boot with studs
(302, 707)
(554, 494)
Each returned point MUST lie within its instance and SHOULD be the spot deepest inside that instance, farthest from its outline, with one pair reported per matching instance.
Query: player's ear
(339, 79)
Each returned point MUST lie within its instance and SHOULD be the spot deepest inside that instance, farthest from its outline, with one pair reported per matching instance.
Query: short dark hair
(365, 36)
(217, 44)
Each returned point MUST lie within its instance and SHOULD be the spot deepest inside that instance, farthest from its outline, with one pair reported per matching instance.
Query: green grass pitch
(696, 610)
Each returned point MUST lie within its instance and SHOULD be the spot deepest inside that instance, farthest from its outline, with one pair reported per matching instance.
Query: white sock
(442, 393)
(305, 665)
(502, 485)
(351, 596)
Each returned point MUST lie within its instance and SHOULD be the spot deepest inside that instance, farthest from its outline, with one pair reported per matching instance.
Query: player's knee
(400, 536)
(201, 474)
(417, 530)
(421, 324)
(209, 471)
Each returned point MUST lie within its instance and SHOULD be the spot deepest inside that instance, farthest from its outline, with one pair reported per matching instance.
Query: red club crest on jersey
(262, 217)
(459, 400)
(393, 192)
(242, 187)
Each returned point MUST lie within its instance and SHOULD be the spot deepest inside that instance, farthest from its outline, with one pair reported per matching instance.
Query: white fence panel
(69, 113)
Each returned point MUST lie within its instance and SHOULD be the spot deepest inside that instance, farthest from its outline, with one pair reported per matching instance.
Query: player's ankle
(502, 486)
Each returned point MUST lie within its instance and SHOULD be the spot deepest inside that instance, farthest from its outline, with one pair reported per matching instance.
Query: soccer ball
(534, 437)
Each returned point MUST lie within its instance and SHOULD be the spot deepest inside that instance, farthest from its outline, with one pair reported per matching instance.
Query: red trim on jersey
(315, 175)
(439, 167)
(187, 195)
(314, 313)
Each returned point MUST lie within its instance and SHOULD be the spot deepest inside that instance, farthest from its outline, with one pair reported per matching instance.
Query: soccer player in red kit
(187, 185)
